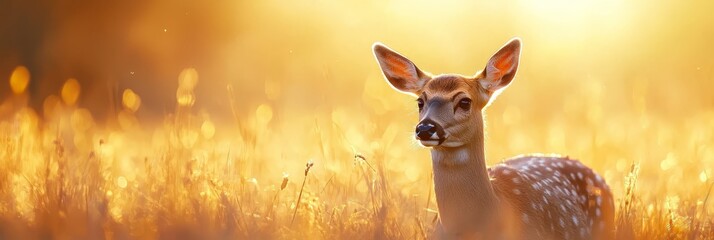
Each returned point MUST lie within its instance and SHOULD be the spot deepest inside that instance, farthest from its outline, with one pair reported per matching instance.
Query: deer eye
(465, 104)
(420, 103)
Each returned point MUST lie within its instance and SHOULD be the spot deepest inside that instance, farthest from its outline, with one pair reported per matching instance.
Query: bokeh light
(19, 79)
(121, 182)
(264, 113)
(81, 120)
(131, 100)
(70, 91)
(208, 129)
(188, 78)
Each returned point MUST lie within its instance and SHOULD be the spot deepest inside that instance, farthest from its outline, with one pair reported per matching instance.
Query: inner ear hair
(401, 73)
(502, 66)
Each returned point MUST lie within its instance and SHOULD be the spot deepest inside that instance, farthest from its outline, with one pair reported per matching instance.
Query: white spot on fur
(589, 181)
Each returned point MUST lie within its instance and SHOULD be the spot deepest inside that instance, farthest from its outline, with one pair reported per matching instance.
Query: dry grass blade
(308, 166)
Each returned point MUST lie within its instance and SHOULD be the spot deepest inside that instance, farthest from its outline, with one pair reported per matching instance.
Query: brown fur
(530, 197)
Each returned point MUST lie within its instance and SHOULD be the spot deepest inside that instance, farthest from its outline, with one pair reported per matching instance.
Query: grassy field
(251, 120)
(329, 174)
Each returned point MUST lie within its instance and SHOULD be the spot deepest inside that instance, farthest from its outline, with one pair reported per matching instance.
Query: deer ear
(502, 66)
(401, 73)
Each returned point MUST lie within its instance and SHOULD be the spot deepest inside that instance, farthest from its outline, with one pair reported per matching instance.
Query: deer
(532, 196)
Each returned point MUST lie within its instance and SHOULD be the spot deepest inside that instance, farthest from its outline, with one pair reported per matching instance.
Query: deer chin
(433, 141)
(447, 142)
(452, 144)
(429, 143)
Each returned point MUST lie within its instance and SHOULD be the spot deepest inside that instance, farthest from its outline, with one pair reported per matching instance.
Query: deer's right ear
(401, 73)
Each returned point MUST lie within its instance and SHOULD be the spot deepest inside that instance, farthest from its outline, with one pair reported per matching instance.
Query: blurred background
(609, 60)
(320, 50)
(610, 82)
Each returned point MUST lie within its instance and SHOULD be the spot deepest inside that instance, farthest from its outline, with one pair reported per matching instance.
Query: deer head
(449, 104)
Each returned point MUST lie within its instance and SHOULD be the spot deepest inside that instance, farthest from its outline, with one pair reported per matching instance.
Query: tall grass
(65, 176)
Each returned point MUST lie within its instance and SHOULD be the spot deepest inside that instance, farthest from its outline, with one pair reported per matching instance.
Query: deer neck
(462, 187)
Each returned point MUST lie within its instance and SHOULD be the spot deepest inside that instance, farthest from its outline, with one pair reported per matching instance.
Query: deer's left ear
(502, 66)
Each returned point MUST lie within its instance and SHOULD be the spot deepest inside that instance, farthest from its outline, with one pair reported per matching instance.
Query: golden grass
(330, 174)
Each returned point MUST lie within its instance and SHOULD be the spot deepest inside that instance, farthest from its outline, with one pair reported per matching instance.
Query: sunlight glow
(141, 145)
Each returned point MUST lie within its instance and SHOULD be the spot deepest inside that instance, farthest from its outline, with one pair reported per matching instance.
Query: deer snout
(429, 133)
(426, 131)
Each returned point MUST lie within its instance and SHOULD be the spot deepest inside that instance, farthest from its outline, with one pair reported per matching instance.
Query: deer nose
(427, 130)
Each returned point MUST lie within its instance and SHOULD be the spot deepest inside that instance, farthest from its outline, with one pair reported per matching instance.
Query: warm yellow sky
(320, 50)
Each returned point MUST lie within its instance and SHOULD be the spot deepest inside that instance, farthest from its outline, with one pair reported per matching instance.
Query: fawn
(525, 197)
